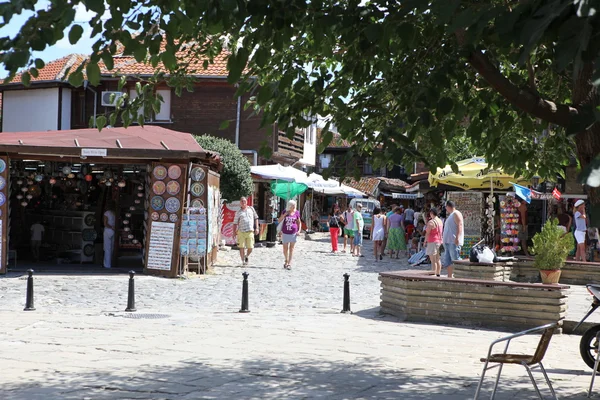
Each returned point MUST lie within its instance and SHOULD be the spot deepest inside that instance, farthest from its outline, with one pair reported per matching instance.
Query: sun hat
(579, 202)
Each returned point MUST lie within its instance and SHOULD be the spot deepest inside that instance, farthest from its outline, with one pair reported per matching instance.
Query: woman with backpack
(334, 223)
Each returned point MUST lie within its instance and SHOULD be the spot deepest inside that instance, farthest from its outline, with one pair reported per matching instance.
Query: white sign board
(93, 152)
(160, 248)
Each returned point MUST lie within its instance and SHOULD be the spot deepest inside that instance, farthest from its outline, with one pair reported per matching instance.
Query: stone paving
(294, 344)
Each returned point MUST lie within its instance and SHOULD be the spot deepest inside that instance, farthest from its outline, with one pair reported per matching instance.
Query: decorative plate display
(158, 188)
(197, 189)
(127, 229)
(2, 199)
(88, 250)
(164, 217)
(173, 217)
(160, 172)
(198, 203)
(126, 222)
(89, 220)
(198, 174)
(66, 170)
(173, 188)
(174, 172)
(39, 178)
(2, 183)
(2, 166)
(89, 235)
(154, 216)
(158, 203)
(172, 204)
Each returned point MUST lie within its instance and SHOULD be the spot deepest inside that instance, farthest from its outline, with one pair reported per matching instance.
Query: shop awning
(474, 174)
(135, 142)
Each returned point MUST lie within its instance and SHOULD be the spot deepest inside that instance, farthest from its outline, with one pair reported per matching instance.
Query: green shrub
(236, 180)
(551, 246)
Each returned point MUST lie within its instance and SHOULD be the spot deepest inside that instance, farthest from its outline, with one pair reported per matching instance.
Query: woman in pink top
(433, 238)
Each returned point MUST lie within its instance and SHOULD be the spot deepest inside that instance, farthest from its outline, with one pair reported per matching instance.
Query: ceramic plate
(160, 172)
(198, 174)
(164, 217)
(89, 220)
(2, 199)
(158, 203)
(39, 178)
(2, 183)
(198, 203)
(197, 189)
(158, 188)
(174, 172)
(89, 235)
(88, 250)
(173, 188)
(172, 204)
(2, 166)
(155, 216)
(173, 217)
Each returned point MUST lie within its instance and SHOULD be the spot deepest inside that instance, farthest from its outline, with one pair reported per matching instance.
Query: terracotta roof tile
(365, 185)
(395, 183)
(55, 70)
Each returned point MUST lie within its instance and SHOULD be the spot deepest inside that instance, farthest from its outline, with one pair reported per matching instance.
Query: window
(367, 168)
(165, 106)
(325, 160)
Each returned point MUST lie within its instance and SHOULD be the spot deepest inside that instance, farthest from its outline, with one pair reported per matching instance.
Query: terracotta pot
(550, 275)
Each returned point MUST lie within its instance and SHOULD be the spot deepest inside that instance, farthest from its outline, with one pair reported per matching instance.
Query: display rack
(510, 228)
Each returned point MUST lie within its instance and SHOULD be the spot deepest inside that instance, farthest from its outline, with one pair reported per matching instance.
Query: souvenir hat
(579, 202)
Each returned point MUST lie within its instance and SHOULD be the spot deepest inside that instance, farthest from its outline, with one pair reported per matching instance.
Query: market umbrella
(287, 190)
(475, 174)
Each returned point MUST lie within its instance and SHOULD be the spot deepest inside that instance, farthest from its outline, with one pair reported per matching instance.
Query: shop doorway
(56, 215)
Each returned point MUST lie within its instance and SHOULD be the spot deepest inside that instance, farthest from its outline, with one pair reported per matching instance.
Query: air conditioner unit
(108, 96)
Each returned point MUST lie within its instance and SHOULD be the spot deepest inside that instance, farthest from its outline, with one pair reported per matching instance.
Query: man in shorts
(348, 217)
(245, 226)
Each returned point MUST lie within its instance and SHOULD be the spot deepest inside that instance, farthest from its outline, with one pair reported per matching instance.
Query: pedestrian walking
(334, 223)
(396, 241)
(359, 224)
(433, 238)
(409, 216)
(580, 229)
(290, 231)
(348, 219)
(453, 238)
(109, 220)
(37, 234)
(378, 233)
(245, 226)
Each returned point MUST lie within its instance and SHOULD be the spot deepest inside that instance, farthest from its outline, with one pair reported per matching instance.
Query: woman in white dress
(378, 227)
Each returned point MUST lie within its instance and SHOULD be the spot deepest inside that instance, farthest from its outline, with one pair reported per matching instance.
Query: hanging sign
(93, 152)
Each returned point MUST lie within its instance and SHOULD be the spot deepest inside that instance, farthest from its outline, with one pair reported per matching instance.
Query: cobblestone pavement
(294, 344)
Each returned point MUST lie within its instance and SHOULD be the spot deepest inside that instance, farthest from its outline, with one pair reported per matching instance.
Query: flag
(556, 194)
(523, 192)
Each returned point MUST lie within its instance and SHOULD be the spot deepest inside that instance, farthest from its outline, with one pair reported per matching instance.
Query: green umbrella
(287, 190)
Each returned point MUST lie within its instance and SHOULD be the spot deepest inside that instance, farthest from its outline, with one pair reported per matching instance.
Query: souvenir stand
(66, 179)
(470, 204)
(510, 228)
(194, 230)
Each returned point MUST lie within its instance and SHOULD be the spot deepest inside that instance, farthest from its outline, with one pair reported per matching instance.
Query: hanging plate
(158, 203)
(197, 189)
(158, 188)
(155, 216)
(173, 217)
(89, 220)
(173, 188)
(172, 204)
(198, 203)
(198, 174)
(89, 235)
(88, 250)
(2, 199)
(174, 172)
(164, 217)
(2, 166)
(2, 183)
(160, 172)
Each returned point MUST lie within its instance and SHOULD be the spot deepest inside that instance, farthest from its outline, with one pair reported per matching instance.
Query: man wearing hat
(580, 229)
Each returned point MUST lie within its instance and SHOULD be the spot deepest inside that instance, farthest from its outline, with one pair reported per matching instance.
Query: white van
(368, 205)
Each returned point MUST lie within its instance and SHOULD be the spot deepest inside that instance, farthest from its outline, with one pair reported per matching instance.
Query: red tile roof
(394, 183)
(55, 70)
(365, 185)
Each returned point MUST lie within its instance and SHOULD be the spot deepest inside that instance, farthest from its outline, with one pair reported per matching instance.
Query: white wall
(310, 145)
(30, 110)
(66, 109)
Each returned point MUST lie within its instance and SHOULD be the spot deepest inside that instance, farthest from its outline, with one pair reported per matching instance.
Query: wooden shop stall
(160, 182)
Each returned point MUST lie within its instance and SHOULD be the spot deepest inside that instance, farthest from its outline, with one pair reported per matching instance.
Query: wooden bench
(420, 296)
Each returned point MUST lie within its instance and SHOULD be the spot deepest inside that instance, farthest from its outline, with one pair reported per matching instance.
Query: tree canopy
(236, 180)
(516, 77)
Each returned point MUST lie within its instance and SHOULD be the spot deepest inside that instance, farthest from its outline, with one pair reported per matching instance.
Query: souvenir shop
(162, 187)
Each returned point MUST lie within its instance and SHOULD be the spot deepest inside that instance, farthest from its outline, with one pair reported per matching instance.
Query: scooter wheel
(588, 347)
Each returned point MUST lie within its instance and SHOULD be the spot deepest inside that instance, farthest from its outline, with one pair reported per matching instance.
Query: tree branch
(531, 75)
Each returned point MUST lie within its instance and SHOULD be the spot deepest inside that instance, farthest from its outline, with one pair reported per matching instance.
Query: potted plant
(551, 247)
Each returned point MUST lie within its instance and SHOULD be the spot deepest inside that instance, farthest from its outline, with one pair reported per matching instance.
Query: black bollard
(346, 308)
(244, 308)
(29, 301)
(131, 294)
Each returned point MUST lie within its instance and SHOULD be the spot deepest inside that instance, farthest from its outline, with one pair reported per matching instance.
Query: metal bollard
(346, 308)
(244, 308)
(29, 301)
(131, 293)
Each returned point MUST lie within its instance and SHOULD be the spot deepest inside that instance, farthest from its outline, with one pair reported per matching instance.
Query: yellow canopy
(474, 174)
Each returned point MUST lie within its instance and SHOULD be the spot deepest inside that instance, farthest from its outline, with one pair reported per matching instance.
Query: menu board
(470, 204)
(160, 250)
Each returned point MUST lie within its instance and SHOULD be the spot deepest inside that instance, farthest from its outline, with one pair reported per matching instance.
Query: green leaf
(76, 78)
(100, 122)
(96, 6)
(34, 72)
(108, 60)
(374, 33)
(169, 60)
(39, 63)
(445, 106)
(93, 73)
(140, 54)
(224, 125)
(26, 78)
(75, 34)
